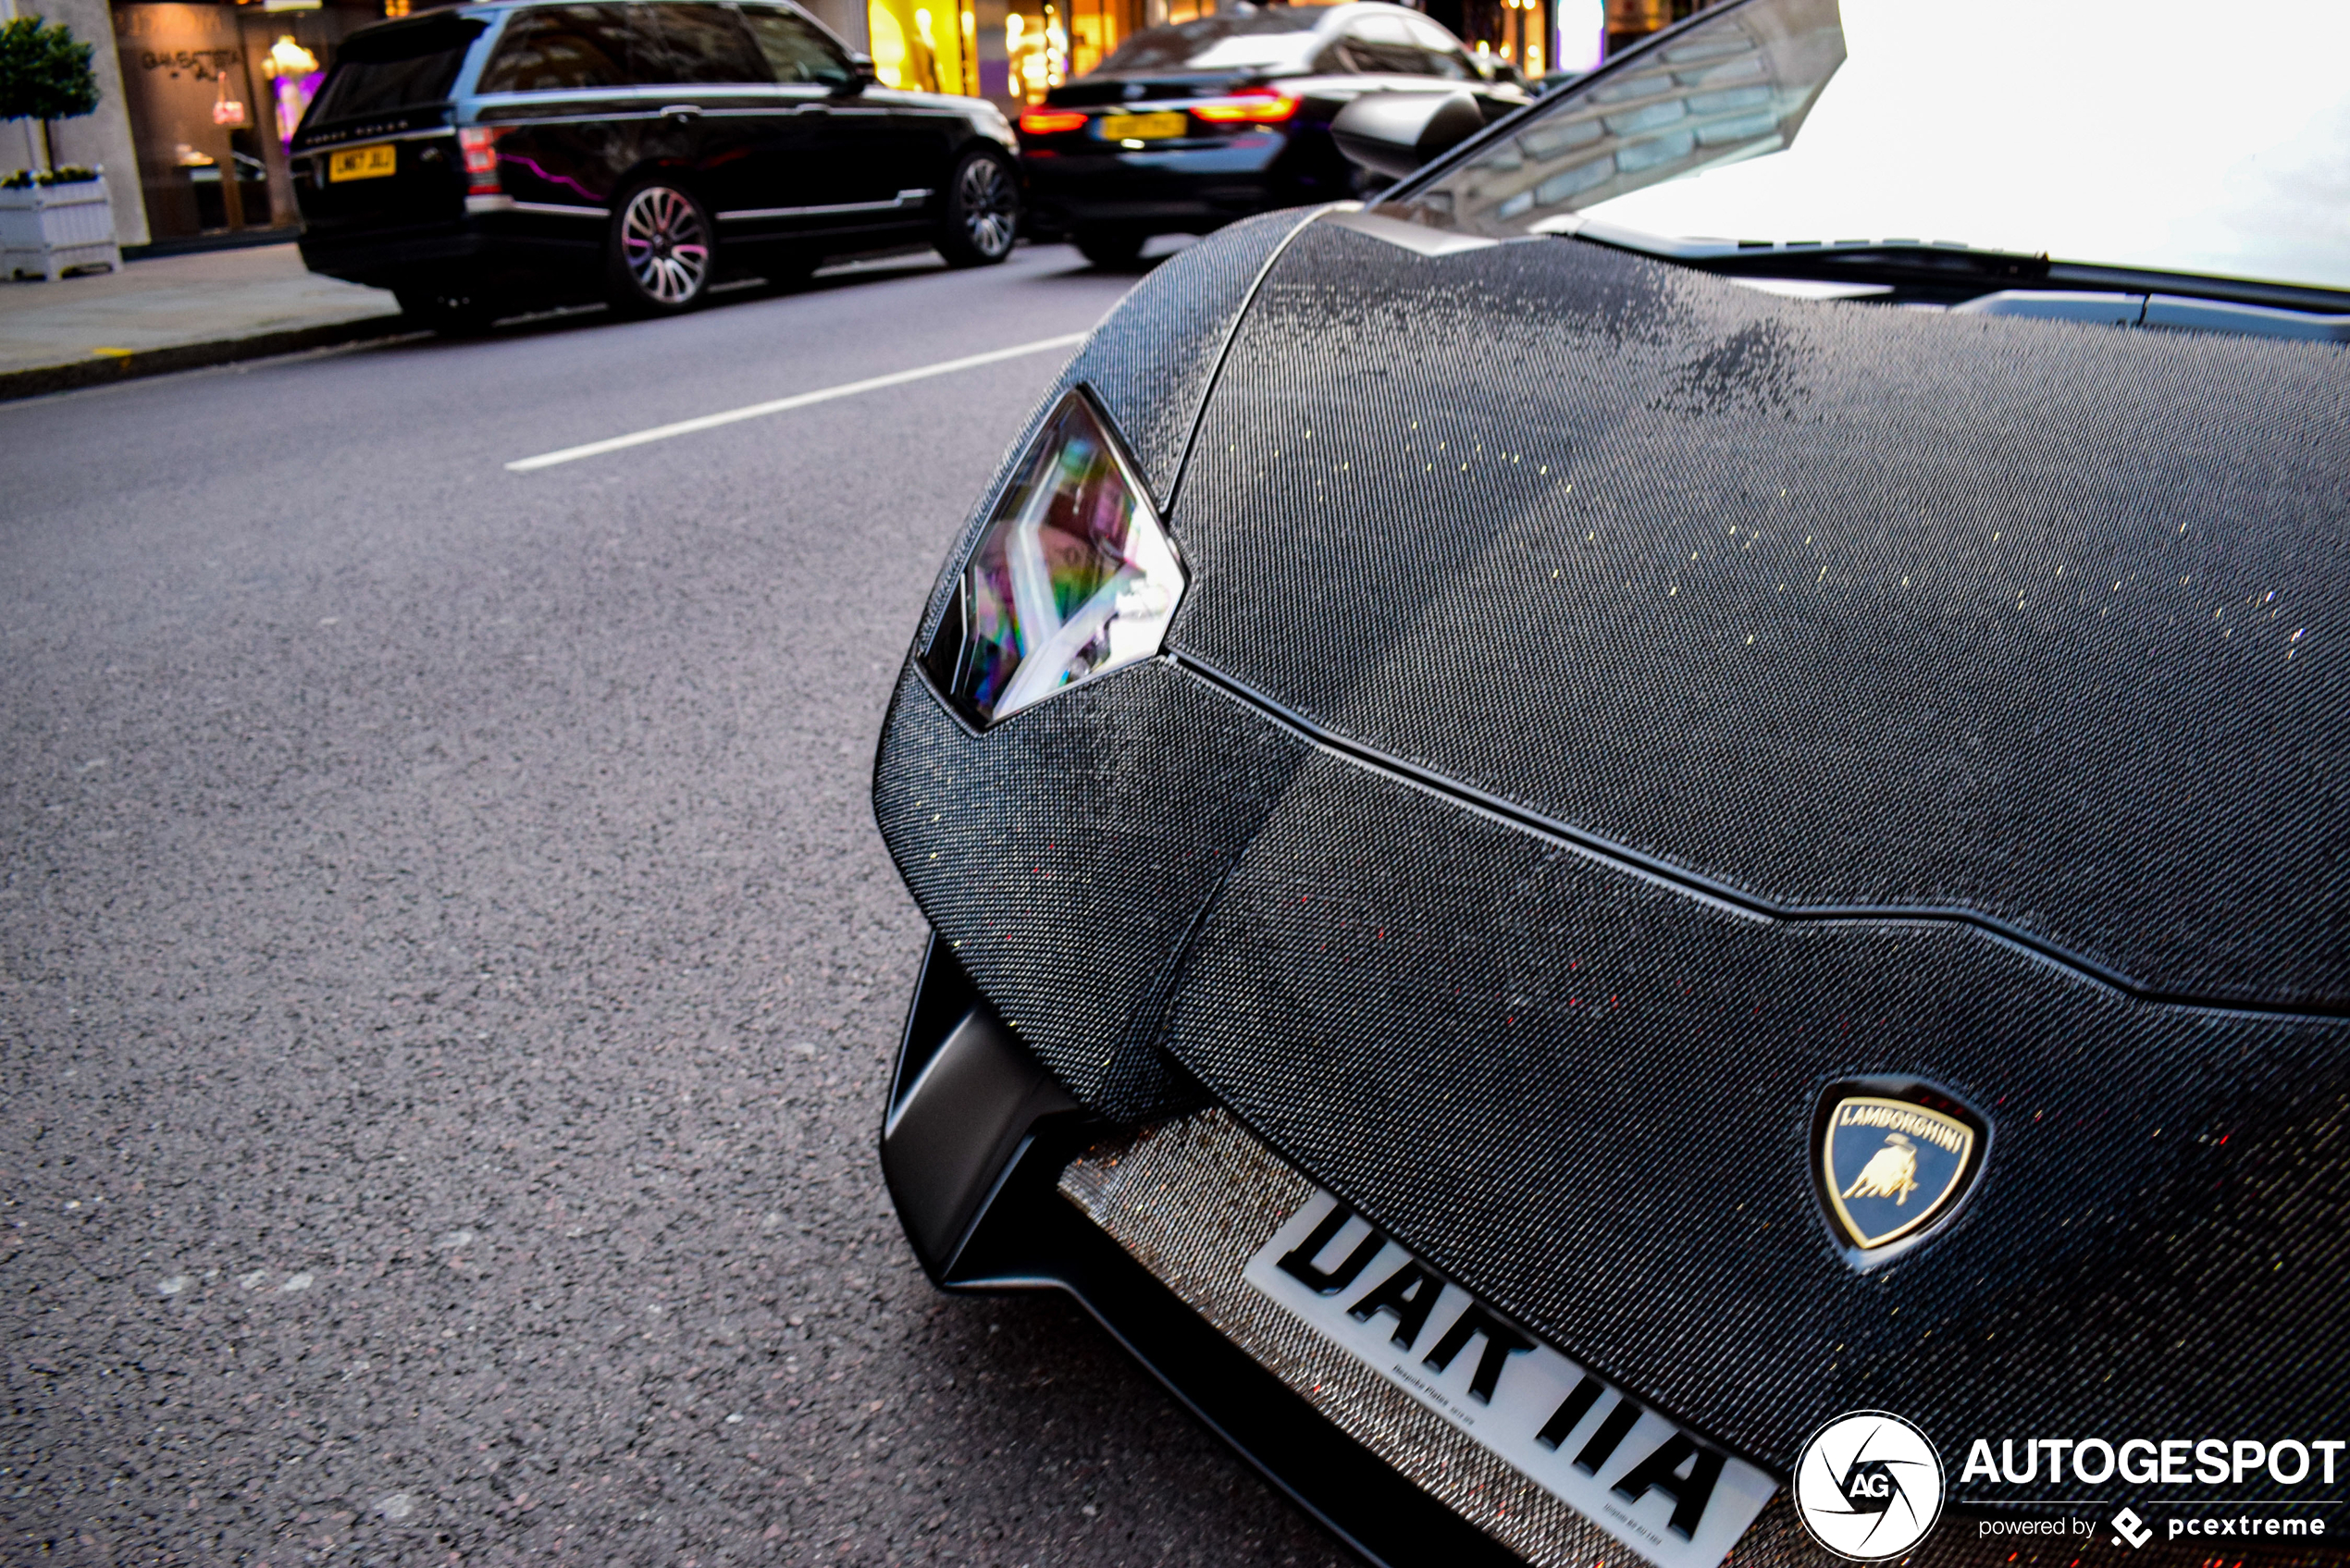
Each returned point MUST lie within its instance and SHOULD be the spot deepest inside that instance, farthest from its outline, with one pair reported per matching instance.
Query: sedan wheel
(1113, 250)
(661, 252)
(982, 216)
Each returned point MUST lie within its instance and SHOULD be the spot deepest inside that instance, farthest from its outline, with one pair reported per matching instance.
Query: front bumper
(1004, 1183)
(977, 1138)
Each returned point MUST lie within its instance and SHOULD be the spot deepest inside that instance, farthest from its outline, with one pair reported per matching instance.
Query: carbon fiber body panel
(1838, 605)
(1589, 1094)
(1467, 849)
(1076, 804)
(1585, 1093)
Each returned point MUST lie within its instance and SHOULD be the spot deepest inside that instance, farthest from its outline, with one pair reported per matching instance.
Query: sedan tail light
(1072, 578)
(1052, 122)
(1259, 107)
(479, 144)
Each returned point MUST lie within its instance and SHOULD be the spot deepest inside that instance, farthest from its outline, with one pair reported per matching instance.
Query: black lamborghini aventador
(1686, 777)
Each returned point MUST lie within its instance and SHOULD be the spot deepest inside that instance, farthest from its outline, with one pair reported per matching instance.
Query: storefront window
(214, 93)
(924, 45)
(1629, 21)
(294, 76)
(1512, 31)
(1011, 51)
(1096, 30)
(1037, 46)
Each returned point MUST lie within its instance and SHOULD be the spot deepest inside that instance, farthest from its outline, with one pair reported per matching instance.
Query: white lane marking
(785, 406)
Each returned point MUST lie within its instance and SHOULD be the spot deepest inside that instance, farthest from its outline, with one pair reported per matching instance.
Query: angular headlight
(1072, 577)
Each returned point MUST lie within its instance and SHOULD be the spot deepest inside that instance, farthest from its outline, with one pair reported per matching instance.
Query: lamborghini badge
(1893, 1159)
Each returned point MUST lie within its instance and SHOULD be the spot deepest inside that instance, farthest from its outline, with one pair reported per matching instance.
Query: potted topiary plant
(53, 220)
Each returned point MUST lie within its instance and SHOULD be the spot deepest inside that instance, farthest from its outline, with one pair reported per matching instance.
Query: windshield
(1272, 37)
(2155, 134)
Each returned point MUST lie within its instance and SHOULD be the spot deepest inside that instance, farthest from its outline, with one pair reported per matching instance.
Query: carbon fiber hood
(1834, 606)
(1611, 704)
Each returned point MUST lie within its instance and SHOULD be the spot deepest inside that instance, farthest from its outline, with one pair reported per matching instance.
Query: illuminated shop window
(927, 45)
(1037, 46)
(294, 76)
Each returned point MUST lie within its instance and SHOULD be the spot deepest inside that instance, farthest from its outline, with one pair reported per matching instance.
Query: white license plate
(1674, 1499)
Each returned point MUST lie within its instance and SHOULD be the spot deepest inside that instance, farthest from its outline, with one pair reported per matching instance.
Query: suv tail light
(479, 144)
(1052, 122)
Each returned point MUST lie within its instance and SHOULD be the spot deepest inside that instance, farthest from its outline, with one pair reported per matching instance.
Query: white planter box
(49, 230)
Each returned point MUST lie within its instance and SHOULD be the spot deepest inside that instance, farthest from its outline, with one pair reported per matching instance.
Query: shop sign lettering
(205, 65)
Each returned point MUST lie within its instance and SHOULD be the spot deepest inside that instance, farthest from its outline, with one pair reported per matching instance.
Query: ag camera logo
(1868, 1485)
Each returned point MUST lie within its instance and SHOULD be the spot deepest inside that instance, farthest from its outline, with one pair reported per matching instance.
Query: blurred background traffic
(199, 102)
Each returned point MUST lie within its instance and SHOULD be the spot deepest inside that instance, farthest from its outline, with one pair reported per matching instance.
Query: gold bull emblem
(1892, 1172)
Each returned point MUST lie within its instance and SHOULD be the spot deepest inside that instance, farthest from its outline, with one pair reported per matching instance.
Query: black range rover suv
(503, 156)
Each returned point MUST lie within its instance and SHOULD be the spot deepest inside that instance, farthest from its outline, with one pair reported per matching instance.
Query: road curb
(100, 370)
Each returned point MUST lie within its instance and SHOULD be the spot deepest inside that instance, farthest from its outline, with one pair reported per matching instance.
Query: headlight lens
(1072, 578)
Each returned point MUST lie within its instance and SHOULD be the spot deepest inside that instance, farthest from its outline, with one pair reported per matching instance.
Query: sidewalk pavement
(174, 313)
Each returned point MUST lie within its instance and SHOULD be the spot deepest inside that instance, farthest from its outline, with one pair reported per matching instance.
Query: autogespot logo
(1868, 1485)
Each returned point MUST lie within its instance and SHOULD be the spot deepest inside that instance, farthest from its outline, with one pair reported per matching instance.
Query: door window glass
(794, 48)
(548, 48)
(681, 45)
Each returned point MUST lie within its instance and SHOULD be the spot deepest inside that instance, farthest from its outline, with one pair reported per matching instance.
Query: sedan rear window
(1282, 35)
(396, 68)
(1386, 42)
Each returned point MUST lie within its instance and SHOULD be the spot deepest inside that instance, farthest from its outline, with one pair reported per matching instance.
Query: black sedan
(505, 155)
(1645, 856)
(1186, 127)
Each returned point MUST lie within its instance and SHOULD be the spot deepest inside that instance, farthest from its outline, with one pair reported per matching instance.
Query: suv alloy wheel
(661, 252)
(981, 215)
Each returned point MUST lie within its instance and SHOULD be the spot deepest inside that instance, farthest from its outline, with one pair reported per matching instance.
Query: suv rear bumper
(474, 252)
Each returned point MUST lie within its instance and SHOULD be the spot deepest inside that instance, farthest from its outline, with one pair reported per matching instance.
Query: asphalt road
(448, 971)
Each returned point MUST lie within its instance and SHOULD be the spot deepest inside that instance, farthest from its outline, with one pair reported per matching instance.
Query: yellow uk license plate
(1144, 127)
(363, 163)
